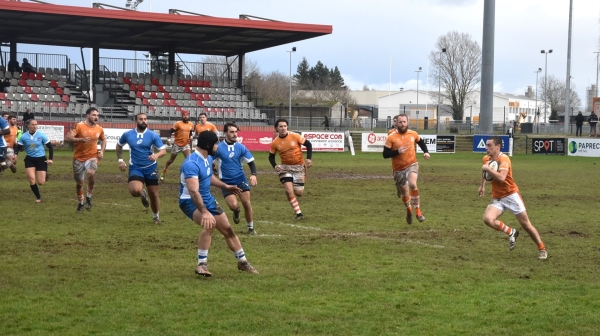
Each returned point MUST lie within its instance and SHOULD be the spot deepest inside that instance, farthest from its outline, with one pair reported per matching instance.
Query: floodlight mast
(133, 4)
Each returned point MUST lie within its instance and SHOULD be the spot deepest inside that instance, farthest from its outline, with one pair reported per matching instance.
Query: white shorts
(176, 149)
(513, 202)
(80, 168)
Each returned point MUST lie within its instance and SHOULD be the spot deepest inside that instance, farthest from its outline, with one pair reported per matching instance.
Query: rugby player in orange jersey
(204, 125)
(182, 130)
(506, 196)
(394, 126)
(292, 170)
(400, 146)
(85, 136)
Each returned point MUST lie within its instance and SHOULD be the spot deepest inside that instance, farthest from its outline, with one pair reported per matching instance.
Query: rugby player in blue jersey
(36, 163)
(196, 201)
(143, 166)
(230, 155)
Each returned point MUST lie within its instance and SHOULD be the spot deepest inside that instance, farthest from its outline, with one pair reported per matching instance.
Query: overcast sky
(368, 34)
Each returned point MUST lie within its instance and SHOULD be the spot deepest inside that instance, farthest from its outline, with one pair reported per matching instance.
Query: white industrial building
(507, 107)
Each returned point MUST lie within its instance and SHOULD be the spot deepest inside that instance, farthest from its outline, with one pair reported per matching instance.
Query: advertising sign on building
(325, 141)
(256, 141)
(55, 133)
(584, 147)
(480, 139)
(548, 146)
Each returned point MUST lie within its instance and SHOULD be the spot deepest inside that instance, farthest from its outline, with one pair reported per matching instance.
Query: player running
(36, 163)
(143, 164)
(11, 141)
(86, 155)
(204, 125)
(229, 157)
(292, 170)
(506, 196)
(196, 201)
(182, 132)
(400, 146)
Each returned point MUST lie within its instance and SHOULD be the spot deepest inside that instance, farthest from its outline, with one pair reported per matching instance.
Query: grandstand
(60, 90)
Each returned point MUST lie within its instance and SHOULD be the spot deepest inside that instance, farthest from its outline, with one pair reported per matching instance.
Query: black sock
(36, 191)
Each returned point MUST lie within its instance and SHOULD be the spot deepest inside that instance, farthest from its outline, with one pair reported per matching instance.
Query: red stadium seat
(206, 96)
(167, 102)
(2, 96)
(54, 83)
(145, 101)
(187, 89)
(66, 99)
(194, 83)
(173, 102)
(161, 88)
(25, 75)
(63, 105)
(154, 81)
(127, 80)
(193, 96)
(35, 97)
(181, 82)
(28, 90)
(139, 94)
(199, 103)
(59, 91)
(133, 87)
(206, 83)
(153, 95)
(38, 76)
(167, 95)
(188, 82)
(22, 82)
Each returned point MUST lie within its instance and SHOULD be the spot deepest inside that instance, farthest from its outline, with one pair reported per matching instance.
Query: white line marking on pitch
(362, 234)
(117, 204)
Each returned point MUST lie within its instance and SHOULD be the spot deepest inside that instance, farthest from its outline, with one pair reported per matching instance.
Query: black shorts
(146, 181)
(3, 153)
(39, 163)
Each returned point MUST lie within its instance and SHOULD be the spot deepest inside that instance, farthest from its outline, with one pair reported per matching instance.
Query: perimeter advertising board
(438, 143)
(554, 146)
(55, 133)
(325, 141)
(256, 141)
(480, 139)
(584, 147)
(112, 137)
(373, 142)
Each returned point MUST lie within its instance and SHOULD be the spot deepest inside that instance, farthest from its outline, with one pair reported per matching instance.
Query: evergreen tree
(302, 76)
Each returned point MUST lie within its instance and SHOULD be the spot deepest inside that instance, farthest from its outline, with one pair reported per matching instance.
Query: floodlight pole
(546, 85)
(290, 106)
(536, 91)
(568, 95)
(417, 71)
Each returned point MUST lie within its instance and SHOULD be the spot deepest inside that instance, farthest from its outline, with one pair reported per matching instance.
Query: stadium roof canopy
(59, 25)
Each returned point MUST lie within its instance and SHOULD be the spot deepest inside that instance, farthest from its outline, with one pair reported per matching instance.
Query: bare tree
(554, 91)
(458, 70)
(272, 86)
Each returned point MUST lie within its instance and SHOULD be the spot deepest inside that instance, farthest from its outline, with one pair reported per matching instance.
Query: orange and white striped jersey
(183, 131)
(87, 150)
(397, 140)
(502, 189)
(289, 148)
(206, 127)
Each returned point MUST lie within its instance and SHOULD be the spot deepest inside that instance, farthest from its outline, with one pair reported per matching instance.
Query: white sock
(202, 256)
(155, 215)
(251, 225)
(240, 255)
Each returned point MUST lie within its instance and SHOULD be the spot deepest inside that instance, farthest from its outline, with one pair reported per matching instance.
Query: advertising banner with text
(548, 146)
(480, 139)
(325, 141)
(55, 133)
(584, 147)
(438, 143)
(256, 141)
(112, 137)
(373, 142)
